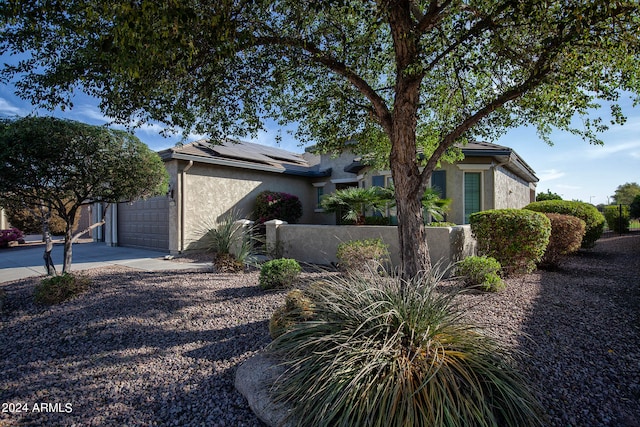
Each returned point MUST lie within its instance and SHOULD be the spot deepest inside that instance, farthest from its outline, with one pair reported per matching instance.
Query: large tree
(63, 164)
(401, 77)
(625, 193)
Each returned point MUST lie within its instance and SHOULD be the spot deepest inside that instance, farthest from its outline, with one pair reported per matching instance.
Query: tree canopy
(626, 193)
(406, 79)
(62, 164)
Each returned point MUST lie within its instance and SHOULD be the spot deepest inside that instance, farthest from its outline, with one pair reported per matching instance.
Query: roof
(245, 155)
(505, 156)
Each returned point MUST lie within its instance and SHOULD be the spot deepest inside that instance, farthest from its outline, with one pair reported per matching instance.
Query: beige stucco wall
(511, 191)
(318, 244)
(210, 192)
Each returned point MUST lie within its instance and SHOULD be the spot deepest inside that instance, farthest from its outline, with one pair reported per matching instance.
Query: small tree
(64, 164)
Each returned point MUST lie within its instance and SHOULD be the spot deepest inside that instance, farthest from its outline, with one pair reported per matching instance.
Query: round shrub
(362, 255)
(594, 220)
(279, 273)
(381, 351)
(517, 238)
(276, 205)
(567, 232)
(56, 289)
(615, 221)
(297, 308)
(481, 272)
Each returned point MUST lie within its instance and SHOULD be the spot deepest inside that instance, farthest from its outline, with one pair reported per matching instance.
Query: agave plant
(383, 352)
(353, 202)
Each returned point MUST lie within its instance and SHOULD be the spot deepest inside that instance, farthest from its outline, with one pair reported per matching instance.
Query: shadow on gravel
(137, 348)
(584, 337)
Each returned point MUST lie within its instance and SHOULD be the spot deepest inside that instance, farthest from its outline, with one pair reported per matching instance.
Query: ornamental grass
(380, 351)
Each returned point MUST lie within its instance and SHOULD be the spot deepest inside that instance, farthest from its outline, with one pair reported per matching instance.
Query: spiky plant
(233, 244)
(353, 202)
(383, 352)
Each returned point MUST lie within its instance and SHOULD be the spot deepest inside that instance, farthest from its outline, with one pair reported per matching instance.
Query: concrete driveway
(26, 261)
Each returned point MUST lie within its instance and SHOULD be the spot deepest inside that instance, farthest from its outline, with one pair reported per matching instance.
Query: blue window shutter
(439, 183)
(377, 180)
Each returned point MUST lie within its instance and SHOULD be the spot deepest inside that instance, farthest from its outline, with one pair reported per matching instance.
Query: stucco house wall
(211, 193)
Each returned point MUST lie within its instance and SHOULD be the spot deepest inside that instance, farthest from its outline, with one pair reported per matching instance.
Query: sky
(571, 167)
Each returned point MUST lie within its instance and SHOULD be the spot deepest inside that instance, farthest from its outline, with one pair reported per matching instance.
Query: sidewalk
(26, 260)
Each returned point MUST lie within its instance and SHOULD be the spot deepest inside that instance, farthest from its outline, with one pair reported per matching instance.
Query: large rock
(254, 379)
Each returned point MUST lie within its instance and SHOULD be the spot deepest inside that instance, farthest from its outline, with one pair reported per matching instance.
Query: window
(472, 194)
(439, 183)
(377, 180)
(319, 186)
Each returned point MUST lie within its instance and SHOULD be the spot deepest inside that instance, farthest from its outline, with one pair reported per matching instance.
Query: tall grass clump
(233, 244)
(380, 351)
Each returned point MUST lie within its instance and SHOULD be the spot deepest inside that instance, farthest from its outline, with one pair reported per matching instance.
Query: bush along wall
(516, 238)
(276, 205)
(594, 220)
(567, 232)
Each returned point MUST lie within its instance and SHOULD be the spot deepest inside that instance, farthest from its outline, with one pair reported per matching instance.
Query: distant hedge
(516, 238)
(594, 220)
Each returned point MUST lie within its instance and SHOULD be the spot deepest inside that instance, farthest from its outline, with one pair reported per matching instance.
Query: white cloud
(610, 149)
(550, 174)
(8, 109)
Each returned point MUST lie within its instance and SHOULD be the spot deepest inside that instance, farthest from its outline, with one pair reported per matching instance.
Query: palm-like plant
(433, 205)
(353, 202)
(383, 352)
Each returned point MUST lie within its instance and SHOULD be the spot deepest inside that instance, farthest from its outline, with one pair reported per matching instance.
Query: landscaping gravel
(162, 348)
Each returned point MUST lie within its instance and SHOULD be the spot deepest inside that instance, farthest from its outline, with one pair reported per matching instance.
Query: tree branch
(379, 106)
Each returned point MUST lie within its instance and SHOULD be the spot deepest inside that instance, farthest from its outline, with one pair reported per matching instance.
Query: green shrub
(616, 222)
(279, 273)
(56, 289)
(362, 255)
(384, 352)
(567, 232)
(594, 220)
(481, 272)
(275, 205)
(517, 238)
(297, 308)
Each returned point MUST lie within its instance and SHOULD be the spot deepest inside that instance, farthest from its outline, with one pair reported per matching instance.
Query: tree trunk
(66, 265)
(414, 250)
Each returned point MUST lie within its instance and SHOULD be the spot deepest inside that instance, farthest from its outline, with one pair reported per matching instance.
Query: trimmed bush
(10, 235)
(594, 220)
(56, 289)
(567, 232)
(362, 255)
(616, 222)
(279, 273)
(516, 238)
(481, 272)
(276, 205)
(384, 352)
(297, 308)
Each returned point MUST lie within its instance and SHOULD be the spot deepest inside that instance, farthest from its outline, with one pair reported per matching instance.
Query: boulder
(254, 379)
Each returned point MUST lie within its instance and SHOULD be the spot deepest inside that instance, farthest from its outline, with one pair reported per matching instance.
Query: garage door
(144, 223)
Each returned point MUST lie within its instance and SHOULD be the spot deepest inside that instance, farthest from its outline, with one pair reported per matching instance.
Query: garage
(144, 224)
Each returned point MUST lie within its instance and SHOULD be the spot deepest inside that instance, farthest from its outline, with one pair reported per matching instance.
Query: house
(208, 182)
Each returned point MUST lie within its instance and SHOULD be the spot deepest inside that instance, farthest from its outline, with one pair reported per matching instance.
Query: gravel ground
(162, 348)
